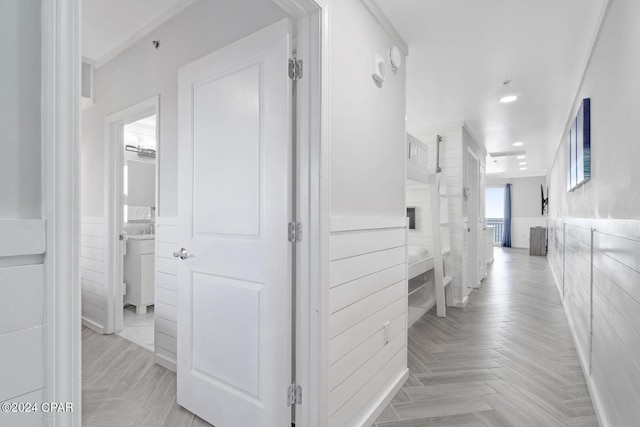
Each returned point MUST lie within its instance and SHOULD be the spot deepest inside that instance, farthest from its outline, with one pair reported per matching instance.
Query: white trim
(165, 362)
(92, 325)
(462, 304)
(353, 223)
(61, 206)
(386, 25)
(114, 161)
(142, 32)
(320, 246)
(389, 393)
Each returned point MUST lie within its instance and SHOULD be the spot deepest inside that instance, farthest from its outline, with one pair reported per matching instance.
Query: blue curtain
(506, 230)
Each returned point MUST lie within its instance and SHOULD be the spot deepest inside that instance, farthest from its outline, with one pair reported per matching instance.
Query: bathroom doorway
(133, 202)
(139, 213)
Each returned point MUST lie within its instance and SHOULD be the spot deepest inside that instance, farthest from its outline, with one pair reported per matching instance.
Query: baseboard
(165, 362)
(461, 304)
(387, 396)
(93, 325)
(593, 391)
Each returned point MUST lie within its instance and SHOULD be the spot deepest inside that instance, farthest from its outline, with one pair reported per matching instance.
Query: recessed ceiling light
(521, 157)
(518, 144)
(522, 163)
(507, 99)
(523, 169)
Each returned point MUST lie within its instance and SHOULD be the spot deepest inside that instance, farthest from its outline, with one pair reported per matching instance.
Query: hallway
(506, 359)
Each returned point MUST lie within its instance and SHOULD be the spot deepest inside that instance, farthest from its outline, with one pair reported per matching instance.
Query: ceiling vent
(508, 153)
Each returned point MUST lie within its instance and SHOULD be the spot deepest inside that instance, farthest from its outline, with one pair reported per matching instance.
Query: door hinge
(295, 232)
(295, 69)
(294, 395)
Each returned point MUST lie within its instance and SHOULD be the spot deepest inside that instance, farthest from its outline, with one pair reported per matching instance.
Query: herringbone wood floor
(122, 386)
(506, 359)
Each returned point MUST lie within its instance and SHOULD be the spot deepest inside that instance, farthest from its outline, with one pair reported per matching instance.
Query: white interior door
(234, 307)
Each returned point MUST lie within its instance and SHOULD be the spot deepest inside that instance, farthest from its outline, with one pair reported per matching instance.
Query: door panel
(227, 168)
(234, 308)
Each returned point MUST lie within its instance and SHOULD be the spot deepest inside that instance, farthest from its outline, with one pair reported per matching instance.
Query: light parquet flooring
(122, 386)
(506, 359)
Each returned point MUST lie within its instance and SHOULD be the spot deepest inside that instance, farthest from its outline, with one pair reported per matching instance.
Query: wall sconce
(378, 70)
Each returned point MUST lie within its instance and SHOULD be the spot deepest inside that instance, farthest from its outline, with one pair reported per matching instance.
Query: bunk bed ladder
(441, 242)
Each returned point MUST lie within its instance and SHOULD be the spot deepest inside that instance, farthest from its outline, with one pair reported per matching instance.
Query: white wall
(22, 235)
(142, 72)
(20, 186)
(367, 146)
(609, 203)
(367, 122)
(525, 206)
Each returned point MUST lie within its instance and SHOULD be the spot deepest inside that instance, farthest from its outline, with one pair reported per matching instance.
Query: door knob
(182, 254)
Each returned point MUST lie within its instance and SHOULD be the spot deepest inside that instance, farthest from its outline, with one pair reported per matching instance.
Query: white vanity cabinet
(139, 272)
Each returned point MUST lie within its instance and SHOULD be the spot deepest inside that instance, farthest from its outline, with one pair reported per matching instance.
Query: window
(494, 210)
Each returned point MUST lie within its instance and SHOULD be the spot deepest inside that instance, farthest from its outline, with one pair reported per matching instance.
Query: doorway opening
(138, 230)
(132, 202)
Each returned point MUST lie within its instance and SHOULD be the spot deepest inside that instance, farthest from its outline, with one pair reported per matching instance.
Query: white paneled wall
(21, 317)
(166, 311)
(368, 290)
(451, 164)
(93, 273)
(597, 268)
(418, 197)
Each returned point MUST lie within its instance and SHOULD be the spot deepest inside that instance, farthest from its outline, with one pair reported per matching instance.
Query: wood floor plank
(509, 350)
(122, 386)
(440, 407)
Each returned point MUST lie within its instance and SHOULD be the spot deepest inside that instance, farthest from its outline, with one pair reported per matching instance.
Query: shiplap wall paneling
(22, 317)
(93, 273)
(598, 261)
(166, 311)
(456, 264)
(555, 228)
(615, 365)
(418, 197)
(577, 289)
(368, 290)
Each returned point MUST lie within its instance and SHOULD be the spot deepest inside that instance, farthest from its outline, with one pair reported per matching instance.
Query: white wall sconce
(395, 58)
(379, 69)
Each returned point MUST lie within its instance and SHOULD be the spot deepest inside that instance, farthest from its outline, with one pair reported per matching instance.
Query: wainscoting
(92, 273)
(596, 264)
(22, 294)
(166, 293)
(367, 321)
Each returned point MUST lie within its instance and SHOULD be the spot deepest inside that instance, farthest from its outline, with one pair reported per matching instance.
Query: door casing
(114, 163)
(61, 35)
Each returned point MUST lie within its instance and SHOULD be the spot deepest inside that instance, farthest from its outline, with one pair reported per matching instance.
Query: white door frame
(114, 162)
(61, 76)
(61, 35)
(473, 214)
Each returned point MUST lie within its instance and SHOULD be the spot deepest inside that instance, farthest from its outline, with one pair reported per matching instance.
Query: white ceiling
(460, 52)
(110, 26)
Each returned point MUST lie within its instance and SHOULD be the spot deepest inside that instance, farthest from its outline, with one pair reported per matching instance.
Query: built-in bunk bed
(419, 256)
(427, 235)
